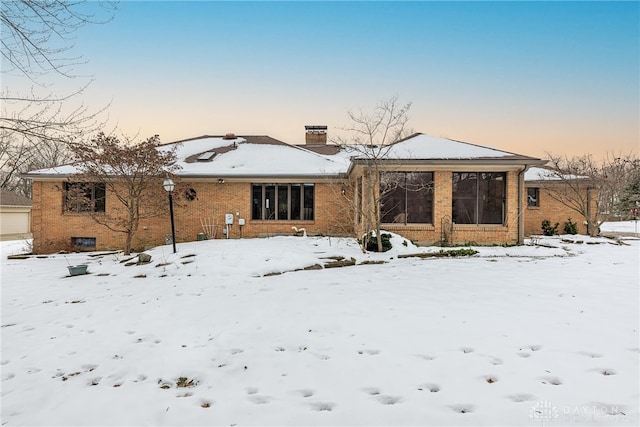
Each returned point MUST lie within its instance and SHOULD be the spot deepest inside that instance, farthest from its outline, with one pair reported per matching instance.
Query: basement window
(83, 243)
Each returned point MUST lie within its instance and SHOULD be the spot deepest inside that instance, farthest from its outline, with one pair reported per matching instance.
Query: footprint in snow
(551, 380)
(522, 397)
(386, 399)
(236, 351)
(463, 408)
(369, 352)
(371, 391)
(322, 406)
(467, 350)
(496, 361)
(425, 356)
(433, 388)
(306, 392)
(140, 378)
(259, 400)
(590, 354)
(251, 390)
(523, 354)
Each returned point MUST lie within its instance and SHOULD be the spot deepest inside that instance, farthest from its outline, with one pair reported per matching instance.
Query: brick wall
(552, 210)
(443, 231)
(53, 229)
(334, 215)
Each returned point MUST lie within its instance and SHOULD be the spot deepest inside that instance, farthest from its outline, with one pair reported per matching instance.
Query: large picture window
(479, 197)
(406, 197)
(282, 202)
(84, 197)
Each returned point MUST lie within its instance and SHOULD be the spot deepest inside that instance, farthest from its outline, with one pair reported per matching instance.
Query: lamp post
(169, 185)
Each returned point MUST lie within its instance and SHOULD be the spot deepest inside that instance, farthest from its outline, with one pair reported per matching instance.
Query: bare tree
(590, 188)
(129, 173)
(370, 136)
(37, 40)
(38, 35)
(18, 156)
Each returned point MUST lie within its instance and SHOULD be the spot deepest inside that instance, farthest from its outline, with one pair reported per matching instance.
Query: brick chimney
(315, 134)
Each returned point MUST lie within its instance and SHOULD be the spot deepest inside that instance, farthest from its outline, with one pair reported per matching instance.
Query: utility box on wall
(228, 219)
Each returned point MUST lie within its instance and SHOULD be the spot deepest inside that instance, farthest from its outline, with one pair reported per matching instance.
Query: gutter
(521, 208)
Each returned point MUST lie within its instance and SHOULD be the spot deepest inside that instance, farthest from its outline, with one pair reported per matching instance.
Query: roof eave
(262, 176)
(526, 161)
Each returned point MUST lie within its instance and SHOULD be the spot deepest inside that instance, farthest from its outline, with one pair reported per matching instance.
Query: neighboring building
(448, 191)
(541, 205)
(15, 216)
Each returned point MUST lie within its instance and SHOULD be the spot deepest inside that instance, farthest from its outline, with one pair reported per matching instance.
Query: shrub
(458, 252)
(372, 244)
(570, 227)
(549, 230)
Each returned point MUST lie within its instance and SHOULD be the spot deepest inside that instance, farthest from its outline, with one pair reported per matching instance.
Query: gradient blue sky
(527, 77)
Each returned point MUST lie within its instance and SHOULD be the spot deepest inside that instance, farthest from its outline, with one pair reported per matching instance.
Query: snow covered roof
(250, 156)
(258, 156)
(420, 146)
(544, 174)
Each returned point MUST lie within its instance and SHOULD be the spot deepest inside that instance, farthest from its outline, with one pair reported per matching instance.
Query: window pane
(269, 201)
(100, 197)
(533, 197)
(491, 190)
(392, 197)
(359, 202)
(308, 202)
(419, 196)
(256, 201)
(464, 197)
(283, 202)
(80, 197)
(296, 201)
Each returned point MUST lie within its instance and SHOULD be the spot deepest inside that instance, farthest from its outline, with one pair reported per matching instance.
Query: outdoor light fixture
(220, 181)
(169, 185)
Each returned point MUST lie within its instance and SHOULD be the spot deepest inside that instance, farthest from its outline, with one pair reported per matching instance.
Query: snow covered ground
(214, 335)
(629, 227)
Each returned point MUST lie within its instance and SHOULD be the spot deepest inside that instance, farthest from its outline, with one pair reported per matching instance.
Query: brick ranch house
(447, 190)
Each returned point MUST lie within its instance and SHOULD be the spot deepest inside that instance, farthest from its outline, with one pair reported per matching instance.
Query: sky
(526, 77)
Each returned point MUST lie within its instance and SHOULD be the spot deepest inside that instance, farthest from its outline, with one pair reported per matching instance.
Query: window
(360, 207)
(83, 243)
(84, 197)
(406, 197)
(533, 197)
(479, 197)
(282, 202)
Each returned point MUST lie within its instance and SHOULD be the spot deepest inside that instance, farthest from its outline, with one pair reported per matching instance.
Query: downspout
(521, 205)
